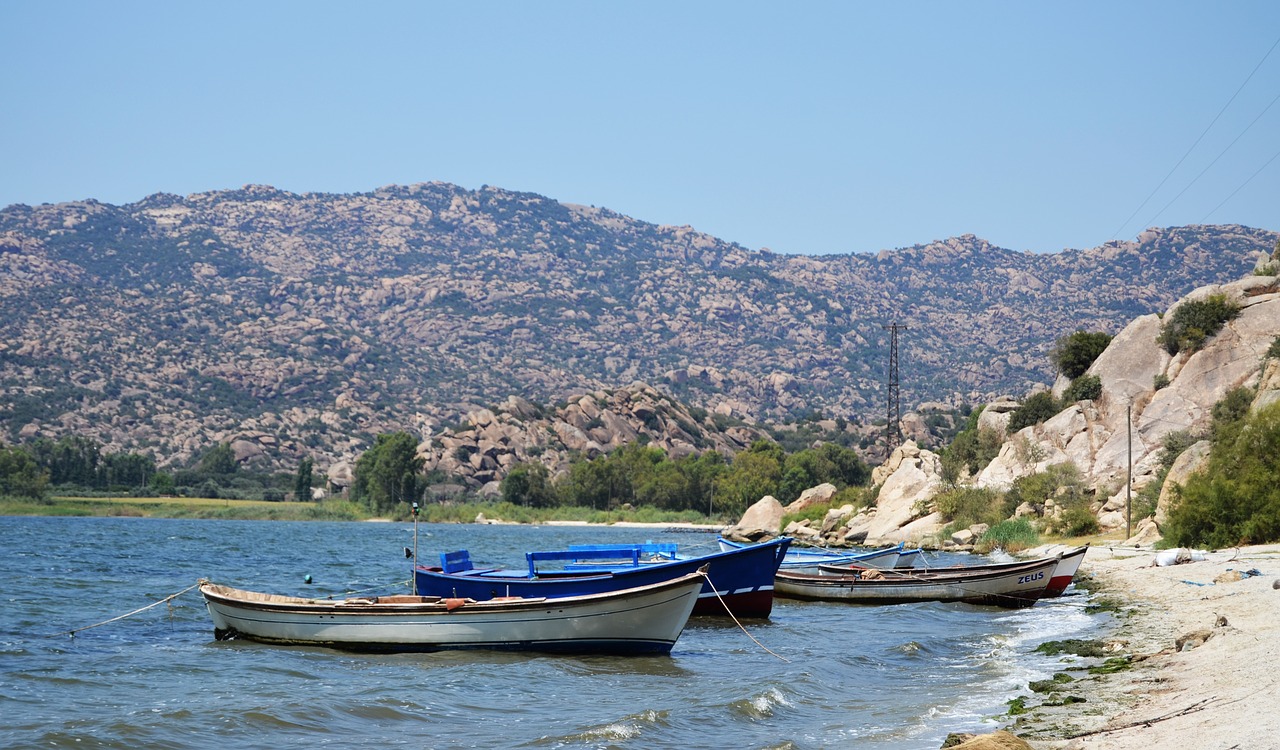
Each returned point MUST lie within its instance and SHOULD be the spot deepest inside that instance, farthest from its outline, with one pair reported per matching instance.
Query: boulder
(836, 518)
(246, 449)
(907, 450)
(905, 493)
(1147, 534)
(763, 519)
(801, 530)
(819, 495)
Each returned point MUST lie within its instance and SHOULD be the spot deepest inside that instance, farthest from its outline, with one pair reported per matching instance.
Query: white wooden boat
(642, 620)
(1068, 563)
(1016, 586)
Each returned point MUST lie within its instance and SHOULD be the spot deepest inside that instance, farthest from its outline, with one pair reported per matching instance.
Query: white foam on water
(1008, 662)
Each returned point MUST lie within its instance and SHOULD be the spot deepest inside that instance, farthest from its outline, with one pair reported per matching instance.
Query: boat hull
(739, 582)
(1015, 588)
(642, 620)
(1063, 573)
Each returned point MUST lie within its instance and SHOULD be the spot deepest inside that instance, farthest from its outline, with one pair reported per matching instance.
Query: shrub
(1060, 482)
(1083, 388)
(971, 450)
(1077, 521)
(1273, 351)
(1011, 535)
(965, 506)
(1229, 414)
(1195, 321)
(1173, 445)
(1236, 500)
(1035, 409)
(1074, 353)
(1160, 381)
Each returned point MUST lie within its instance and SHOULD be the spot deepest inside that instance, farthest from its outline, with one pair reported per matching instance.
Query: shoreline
(1203, 665)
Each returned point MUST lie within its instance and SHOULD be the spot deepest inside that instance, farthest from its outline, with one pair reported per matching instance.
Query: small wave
(760, 706)
(910, 648)
(626, 728)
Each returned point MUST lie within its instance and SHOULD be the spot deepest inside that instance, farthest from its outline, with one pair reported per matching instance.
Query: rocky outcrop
(1127, 424)
(908, 480)
(489, 442)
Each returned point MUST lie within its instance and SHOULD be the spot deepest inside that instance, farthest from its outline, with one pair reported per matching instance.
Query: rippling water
(864, 677)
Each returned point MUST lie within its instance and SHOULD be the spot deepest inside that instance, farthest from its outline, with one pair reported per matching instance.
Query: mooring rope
(168, 598)
(735, 619)
(405, 582)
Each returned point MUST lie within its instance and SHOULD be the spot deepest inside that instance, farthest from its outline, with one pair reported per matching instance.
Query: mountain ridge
(174, 322)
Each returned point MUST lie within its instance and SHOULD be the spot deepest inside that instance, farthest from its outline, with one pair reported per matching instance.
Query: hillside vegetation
(294, 325)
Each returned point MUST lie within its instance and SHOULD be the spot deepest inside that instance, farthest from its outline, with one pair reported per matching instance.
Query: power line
(1246, 182)
(1197, 141)
(1215, 161)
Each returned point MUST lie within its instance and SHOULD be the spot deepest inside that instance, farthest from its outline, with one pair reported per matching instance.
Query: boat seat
(456, 561)
(629, 554)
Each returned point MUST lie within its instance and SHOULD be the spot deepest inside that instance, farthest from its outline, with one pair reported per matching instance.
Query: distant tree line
(388, 477)
(644, 476)
(75, 464)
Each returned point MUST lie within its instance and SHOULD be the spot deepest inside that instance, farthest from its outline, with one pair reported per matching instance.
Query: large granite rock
(763, 519)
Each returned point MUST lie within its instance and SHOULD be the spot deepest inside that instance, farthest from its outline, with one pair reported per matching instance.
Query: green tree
(218, 461)
(528, 484)
(162, 483)
(754, 473)
(302, 481)
(126, 470)
(20, 475)
(388, 475)
(1035, 409)
(1074, 353)
(970, 453)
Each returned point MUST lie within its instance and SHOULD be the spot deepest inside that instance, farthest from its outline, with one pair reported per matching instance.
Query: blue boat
(809, 558)
(739, 580)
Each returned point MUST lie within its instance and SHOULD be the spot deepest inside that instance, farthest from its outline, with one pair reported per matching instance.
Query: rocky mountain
(303, 324)
(1146, 393)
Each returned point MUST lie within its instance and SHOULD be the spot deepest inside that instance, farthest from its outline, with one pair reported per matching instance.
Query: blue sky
(816, 127)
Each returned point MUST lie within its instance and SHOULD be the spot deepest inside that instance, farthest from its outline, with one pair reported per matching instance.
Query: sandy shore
(1218, 691)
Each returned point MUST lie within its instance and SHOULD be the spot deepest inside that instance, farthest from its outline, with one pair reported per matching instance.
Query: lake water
(854, 677)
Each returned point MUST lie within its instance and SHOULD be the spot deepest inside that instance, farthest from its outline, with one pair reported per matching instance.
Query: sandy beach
(1204, 646)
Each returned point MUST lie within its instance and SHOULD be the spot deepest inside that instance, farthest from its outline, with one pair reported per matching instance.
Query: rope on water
(735, 619)
(405, 582)
(169, 598)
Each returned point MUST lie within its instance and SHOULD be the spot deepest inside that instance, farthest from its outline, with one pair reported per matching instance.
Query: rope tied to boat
(702, 572)
(347, 593)
(167, 600)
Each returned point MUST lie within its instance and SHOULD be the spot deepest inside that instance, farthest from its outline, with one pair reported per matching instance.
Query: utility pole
(893, 430)
(1128, 480)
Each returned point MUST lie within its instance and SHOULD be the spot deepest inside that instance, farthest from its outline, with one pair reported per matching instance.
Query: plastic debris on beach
(1179, 557)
